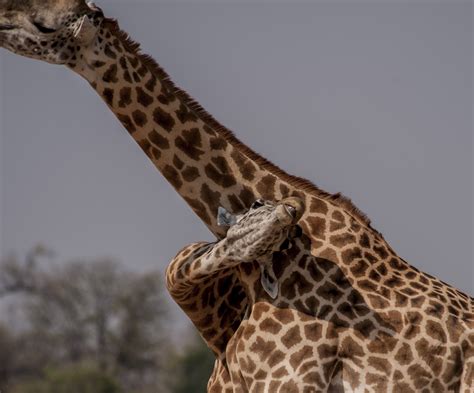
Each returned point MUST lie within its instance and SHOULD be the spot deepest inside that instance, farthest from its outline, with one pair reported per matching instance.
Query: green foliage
(72, 380)
(193, 369)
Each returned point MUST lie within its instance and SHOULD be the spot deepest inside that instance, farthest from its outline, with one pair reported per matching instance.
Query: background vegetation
(90, 327)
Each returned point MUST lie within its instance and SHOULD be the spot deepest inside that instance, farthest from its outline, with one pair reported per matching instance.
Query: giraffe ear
(269, 281)
(92, 5)
(86, 31)
(225, 218)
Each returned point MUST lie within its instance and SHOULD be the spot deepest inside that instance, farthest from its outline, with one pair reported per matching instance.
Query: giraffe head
(284, 213)
(54, 31)
(266, 225)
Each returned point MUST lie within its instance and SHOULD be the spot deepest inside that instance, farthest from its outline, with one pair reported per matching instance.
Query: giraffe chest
(290, 362)
(283, 350)
(266, 356)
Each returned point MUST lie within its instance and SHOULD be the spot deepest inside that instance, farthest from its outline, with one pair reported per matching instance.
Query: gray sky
(371, 99)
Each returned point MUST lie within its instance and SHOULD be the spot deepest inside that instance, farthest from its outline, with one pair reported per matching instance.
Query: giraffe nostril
(7, 27)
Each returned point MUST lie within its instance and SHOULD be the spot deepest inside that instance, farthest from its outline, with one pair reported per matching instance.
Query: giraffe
(248, 360)
(350, 315)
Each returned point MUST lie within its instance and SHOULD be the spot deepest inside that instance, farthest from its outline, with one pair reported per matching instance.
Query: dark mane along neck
(209, 128)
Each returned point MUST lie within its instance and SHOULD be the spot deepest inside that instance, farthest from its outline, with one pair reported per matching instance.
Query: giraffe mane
(298, 182)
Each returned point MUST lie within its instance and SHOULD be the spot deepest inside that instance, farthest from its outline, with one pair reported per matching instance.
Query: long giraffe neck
(341, 272)
(348, 305)
(201, 159)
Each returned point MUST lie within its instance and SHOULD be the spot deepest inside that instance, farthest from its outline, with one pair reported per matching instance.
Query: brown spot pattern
(158, 140)
(219, 172)
(110, 76)
(127, 123)
(163, 119)
(172, 175)
(143, 98)
(108, 96)
(125, 97)
(190, 174)
(189, 143)
(266, 187)
(139, 118)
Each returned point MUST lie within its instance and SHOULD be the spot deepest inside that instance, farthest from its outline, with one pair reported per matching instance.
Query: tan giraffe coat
(385, 327)
(350, 314)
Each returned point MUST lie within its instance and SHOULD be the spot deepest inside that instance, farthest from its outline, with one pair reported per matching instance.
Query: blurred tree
(95, 312)
(192, 369)
(99, 311)
(7, 357)
(139, 338)
(61, 313)
(16, 276)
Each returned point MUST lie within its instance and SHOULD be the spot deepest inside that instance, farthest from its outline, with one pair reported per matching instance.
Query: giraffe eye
(43, 29)
(258, 203)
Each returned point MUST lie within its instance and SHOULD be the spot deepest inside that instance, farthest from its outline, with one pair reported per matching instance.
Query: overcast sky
(371, 99)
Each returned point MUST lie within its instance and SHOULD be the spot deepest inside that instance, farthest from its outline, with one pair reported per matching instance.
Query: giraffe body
(324, 334)
(349, 315)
